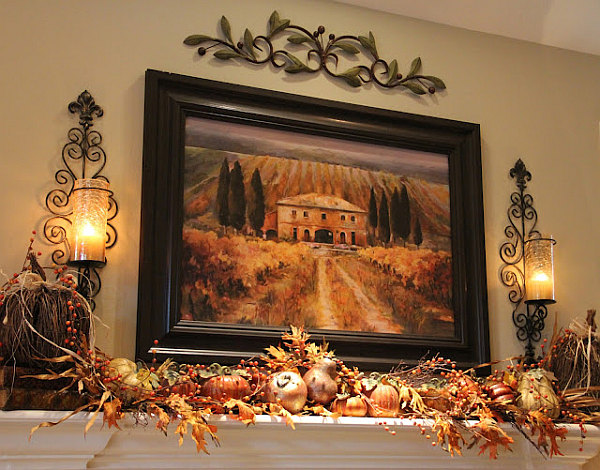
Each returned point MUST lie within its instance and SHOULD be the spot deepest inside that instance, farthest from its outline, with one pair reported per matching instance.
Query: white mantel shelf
(316, 443)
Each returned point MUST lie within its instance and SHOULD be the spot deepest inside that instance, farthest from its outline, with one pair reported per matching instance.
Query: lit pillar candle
(90, 208)
(539, 270)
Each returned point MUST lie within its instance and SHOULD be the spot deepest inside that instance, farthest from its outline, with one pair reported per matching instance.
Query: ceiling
(568, 24)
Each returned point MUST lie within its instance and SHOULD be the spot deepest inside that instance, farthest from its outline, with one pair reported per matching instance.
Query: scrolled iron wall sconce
(82, 207)
(528, 269)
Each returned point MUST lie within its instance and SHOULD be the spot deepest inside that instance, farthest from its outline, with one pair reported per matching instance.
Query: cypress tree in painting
(404, 217)
(222, 203)
(395, 218)
(256, 204)
(384, 220)
(373, 210)
(418, 235)
(237, 197)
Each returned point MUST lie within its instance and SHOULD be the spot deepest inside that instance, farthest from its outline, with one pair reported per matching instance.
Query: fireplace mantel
(316, 443)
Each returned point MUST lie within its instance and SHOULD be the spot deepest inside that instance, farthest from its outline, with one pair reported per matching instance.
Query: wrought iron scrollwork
(89, 283)
(323, 53)
(82, 157)
(522, 223)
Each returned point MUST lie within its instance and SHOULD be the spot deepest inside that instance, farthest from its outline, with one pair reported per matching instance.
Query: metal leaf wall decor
(322, 54)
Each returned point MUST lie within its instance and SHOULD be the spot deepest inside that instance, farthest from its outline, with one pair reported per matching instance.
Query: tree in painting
(256, 203)
(418, 235)
(222, 202)
(384, 220)
(237, 197)
(400, 214)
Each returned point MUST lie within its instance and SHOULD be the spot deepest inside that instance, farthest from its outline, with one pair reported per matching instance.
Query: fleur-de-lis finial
(519, 171)
(87, 108)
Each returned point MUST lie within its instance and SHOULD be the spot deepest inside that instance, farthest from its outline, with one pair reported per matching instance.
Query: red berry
(155, 341)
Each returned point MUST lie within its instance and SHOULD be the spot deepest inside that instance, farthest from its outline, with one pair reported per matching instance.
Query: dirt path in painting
(373, 314)
(326, 318)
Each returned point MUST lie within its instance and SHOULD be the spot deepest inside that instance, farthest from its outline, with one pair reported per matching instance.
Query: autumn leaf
(278, 410)
(448, 433)
(181, 430)
(112, 413)
(163, 418)
(198, 431)
(276, 353)
(322, 411)
(245, 412)
(491, 445)
(548, 431)
(492, 435)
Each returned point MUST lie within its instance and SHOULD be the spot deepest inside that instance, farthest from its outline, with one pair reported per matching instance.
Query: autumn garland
(457, 405)
(451, 407)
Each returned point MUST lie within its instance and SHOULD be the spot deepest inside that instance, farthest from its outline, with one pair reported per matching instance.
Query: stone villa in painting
(317, 218)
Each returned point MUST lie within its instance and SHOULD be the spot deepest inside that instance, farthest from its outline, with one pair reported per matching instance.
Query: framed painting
(262, 210)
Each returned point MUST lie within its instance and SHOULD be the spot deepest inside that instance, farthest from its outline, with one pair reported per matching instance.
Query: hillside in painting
(286, 177)
(368, 282)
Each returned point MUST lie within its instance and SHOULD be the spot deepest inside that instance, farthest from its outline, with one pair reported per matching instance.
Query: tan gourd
(537, 393)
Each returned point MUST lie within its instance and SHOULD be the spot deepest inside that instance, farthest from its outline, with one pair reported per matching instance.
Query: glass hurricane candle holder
(539, 270)
(90, 208)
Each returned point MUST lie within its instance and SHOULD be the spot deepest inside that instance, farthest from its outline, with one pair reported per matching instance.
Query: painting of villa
(283, 228)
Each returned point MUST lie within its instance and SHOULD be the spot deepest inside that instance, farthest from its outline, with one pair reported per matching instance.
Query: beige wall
(535, 102)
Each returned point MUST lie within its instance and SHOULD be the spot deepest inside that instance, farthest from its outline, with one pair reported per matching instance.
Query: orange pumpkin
(350, 406)
(183, 388)
(385, 401)
(224, 387)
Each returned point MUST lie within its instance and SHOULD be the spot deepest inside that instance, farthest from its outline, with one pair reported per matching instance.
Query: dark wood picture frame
(171, 98)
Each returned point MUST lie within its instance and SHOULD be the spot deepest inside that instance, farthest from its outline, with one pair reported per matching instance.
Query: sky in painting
(253, 140)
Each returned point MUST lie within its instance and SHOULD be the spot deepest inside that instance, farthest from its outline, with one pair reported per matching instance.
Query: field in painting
(388, 284)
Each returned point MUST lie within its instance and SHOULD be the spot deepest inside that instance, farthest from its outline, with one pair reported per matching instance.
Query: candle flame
(540, 277)
(88, 230)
